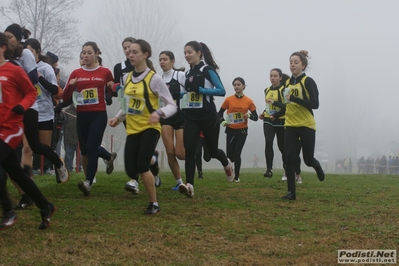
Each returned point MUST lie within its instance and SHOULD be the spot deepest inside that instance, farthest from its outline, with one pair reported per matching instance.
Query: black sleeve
(313, 101)
(117, 72)
(53, 89)
(254, 115)
(220, 114)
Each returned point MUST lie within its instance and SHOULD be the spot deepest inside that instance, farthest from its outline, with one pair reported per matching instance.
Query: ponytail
(150, 64)
(207, 54)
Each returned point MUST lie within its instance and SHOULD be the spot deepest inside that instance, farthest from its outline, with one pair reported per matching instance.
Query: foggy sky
(353, 47)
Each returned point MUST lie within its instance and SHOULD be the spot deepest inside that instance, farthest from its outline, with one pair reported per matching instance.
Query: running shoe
(46, 215)
(62, 174)
(9, 219)
(24, 202)
(269, 173)
(132, 186)
(187, 189)
(229, 171)
(85, 187)
(152, 209)
(110, 163)
(284, 178)
(298, 179)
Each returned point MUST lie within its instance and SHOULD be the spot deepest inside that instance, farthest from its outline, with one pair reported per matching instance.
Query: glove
(18, 109)
(224, 123)
(193, 88)
(58, 109)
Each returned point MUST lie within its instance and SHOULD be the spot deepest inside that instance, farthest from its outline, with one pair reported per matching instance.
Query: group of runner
(177, 105)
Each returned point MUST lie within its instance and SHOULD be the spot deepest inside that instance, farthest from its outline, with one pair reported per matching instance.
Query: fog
(353, 49)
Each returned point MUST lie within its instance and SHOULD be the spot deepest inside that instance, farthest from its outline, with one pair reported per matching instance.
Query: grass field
(244, 223)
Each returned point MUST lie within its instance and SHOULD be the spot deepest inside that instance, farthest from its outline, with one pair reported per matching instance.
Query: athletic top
(201, 106)
(28, 62)
(15, 88)
(304, 98)
(175, 81)
(141, 99)
(121, 69)
(277, 108)
(89, 89)
(236, 108)
(44, 97)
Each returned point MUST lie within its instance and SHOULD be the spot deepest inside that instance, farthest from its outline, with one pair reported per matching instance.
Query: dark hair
(284, 77)
(303, 56)
(128, 39)
(8, 53)
(35, 44)
(172, 58)
(205, 52)
(57, 71)
(146, 48)
(94, 46)
(18, 31)
(100, 60)
(240, 80)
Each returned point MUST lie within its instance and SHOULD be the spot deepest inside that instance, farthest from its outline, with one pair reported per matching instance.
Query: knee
(180, 155)
(308, 161)
(289, 158)
(27, 150)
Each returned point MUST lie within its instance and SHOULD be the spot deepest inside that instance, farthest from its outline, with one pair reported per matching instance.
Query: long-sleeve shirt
(15, 88)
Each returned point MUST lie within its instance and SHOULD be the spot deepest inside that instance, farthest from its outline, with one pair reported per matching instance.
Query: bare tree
(50, 21)
(151, 20)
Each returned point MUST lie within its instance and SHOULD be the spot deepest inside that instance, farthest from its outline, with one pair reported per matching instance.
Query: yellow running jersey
(137, 110)
(297, 115)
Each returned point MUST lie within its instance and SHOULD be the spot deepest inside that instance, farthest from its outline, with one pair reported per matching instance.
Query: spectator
(71, 139)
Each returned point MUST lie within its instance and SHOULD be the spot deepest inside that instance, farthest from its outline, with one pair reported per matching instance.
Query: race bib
(235, 118)
(287, 91)
(270, 109)
(87, 97)
(192, 100)
(134, 106)
(39, 92)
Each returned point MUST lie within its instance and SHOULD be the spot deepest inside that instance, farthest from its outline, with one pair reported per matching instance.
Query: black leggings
(31, 124)
(234, 145)
(308, 139)
(11, 164)
(210, 128)
(91, 127)
(270, 132)
(198, 154)
(139, 149)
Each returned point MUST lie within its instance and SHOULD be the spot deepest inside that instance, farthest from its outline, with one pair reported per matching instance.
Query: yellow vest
(276, 95)
(297, 115)
(137, 113)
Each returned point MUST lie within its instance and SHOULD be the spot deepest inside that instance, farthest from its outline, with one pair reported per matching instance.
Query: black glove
(108, 99)
(18, 109)
(193, 87)
(58, 108)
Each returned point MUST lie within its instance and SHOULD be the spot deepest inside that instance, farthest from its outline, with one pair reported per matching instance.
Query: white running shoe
(284, 178)
(229, 171)
(62, 173)
(298, 179)
(187, 189)
(132, 186)
(94, 180)
(85, 187)
(237, 180)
